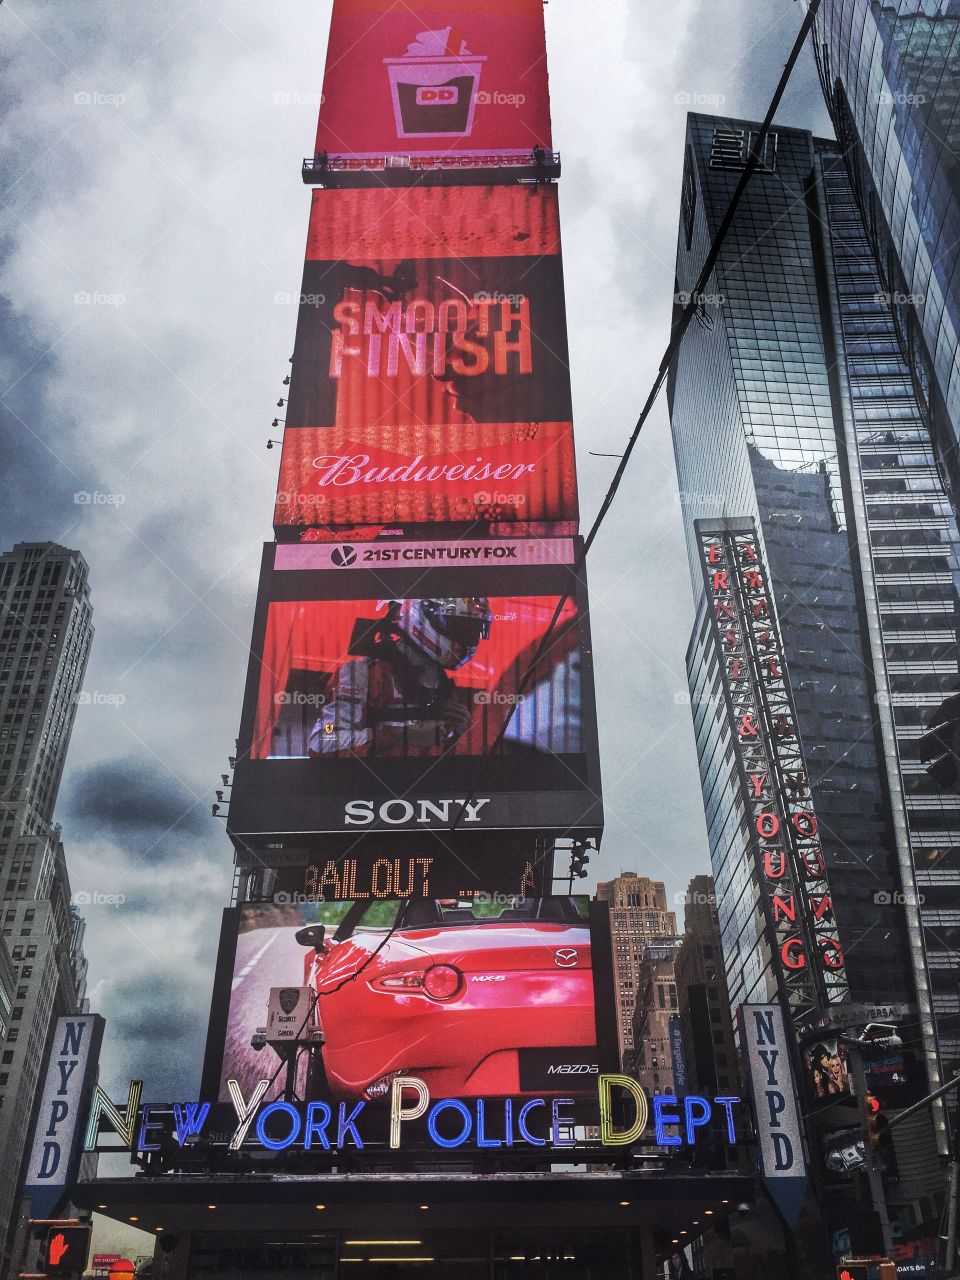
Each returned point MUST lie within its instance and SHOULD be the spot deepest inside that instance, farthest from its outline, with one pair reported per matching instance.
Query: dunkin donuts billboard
(430, 379)
(434, 83)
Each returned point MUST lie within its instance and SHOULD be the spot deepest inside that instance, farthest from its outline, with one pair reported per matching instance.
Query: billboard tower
(418, 737)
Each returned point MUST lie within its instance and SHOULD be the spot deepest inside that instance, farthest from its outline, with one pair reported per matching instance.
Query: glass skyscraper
(890, 71)
(793, 412)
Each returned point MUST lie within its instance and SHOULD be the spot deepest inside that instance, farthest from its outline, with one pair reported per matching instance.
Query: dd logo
(343, 556)
(445, 95)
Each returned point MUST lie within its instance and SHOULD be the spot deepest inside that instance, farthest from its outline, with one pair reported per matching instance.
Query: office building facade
(638, 915)
(797, 427)
(891, 79)
(45, 637)
(657, 1050)
(706, 1025)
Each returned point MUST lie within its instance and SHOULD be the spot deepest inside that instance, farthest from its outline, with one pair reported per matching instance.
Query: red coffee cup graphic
(434, 86)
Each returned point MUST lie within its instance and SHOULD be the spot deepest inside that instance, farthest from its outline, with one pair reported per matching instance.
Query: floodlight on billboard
(430, 379)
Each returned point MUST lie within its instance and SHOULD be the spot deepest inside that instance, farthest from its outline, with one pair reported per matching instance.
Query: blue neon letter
(453, 1104)
(522, 1122)
(274, 1144)
(662, 1117)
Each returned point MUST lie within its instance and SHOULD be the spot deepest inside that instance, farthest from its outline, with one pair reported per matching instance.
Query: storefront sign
(53, 1157)
(475, 1123)
(776, 1117)
(788, 858)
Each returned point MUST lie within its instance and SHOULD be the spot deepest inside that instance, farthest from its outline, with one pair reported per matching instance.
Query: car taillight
(442, 981)
(401, 982)
(439, 982)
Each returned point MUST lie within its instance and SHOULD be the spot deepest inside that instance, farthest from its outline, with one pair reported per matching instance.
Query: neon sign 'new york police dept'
(449, 1123)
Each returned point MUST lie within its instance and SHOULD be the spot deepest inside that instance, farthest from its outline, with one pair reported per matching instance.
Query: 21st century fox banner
(437, 83)
(430, 382)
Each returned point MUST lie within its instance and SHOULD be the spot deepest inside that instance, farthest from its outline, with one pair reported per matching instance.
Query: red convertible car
(474, 1003)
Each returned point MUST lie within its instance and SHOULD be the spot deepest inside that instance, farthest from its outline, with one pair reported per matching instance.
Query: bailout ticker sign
(430, 378)
(437, 83)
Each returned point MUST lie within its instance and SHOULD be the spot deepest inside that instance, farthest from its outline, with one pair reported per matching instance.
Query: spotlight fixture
(281, 402)
(286, 381)
(271, 443)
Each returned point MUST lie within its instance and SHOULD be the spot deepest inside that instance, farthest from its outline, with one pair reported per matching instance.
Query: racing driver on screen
(474, 999)
(393, 695)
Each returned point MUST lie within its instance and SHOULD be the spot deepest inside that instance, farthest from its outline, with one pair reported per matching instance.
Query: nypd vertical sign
(70, 1067)
(779, 1144)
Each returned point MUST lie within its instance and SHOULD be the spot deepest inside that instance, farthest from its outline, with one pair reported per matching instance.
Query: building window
(689, 197)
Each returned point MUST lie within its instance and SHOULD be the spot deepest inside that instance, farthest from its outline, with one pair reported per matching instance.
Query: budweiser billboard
(440, 80)
(430, 381)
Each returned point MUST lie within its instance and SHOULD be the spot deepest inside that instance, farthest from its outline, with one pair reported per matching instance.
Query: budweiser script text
(347, 469)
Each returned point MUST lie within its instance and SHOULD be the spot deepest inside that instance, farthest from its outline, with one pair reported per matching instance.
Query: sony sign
(399, 812)
(776, 1117)
(72, 1061)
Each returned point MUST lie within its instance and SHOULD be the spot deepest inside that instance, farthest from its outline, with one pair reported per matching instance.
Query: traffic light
(941, 744)
(579, 857)
(872, 1107)
(876, 1268)
(67, 1250)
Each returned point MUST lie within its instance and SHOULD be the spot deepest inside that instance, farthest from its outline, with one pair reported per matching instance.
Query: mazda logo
(343, 556)
(566, 957)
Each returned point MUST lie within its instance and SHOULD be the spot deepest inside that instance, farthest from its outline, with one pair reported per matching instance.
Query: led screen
(476, 999)
(386, 698)
(435, 81)
(432, 676)
(385, 866)
(430, 380)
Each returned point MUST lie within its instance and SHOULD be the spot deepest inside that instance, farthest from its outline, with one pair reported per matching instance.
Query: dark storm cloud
(37, 443)
(151, 169)
(158, 1030)
(130, 798)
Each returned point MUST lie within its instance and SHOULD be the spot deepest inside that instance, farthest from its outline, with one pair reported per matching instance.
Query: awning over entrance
(464, 1225)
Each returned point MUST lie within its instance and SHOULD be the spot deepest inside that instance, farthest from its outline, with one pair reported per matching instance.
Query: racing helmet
(445, 629)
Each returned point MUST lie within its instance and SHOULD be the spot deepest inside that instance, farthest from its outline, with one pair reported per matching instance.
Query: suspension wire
(678, 331)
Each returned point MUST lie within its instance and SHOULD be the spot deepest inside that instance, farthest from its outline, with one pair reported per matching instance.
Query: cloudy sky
(154, 212)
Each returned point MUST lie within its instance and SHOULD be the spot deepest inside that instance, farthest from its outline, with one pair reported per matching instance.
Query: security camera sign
(288, 1013)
